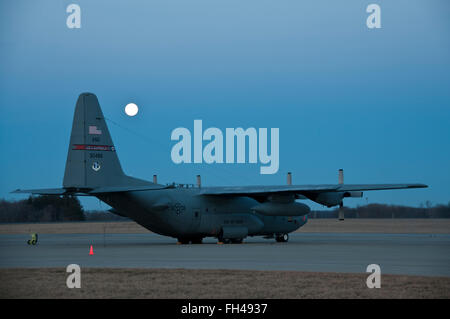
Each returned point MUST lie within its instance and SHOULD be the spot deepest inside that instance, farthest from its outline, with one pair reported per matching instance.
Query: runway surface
(414, 254)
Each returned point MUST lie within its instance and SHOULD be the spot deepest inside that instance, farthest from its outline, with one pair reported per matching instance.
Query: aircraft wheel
(282, 238)
(237, 241)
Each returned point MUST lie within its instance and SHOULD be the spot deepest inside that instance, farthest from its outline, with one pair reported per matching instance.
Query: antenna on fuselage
(289, 178)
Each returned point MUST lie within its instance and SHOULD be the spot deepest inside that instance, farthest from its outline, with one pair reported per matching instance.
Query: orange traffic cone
(91, 252)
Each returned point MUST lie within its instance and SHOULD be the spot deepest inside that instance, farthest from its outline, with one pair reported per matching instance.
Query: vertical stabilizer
(92, 159)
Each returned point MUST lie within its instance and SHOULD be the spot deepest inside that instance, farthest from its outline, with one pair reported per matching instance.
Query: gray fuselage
(184, 213)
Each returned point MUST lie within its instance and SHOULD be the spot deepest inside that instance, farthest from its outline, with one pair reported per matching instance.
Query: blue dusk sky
(375, 102)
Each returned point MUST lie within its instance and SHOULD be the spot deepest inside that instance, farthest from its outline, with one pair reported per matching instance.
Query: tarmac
(407, 254)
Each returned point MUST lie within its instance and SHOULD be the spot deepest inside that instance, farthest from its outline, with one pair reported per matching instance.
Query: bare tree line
(51, 208)
(388, 211)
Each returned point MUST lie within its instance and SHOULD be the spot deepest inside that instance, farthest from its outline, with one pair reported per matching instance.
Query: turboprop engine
(282, 209)
(333, 198)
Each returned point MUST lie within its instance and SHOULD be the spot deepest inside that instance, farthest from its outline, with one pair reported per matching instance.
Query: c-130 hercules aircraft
(187, 213)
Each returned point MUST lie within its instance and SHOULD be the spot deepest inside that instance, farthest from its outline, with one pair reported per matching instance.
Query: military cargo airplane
(188, 214)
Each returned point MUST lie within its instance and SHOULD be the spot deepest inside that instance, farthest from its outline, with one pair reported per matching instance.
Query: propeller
(341, 211)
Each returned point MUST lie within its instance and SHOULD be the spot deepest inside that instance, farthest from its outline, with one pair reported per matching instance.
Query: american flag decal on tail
(84, 147)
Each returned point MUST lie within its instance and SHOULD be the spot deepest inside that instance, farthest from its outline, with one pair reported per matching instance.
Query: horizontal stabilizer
(43, 191)
(89, 192)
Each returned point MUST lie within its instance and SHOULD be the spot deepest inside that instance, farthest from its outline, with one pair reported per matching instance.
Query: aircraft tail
(92, 160)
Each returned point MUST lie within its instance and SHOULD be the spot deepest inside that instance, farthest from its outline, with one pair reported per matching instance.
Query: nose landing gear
(187, 241)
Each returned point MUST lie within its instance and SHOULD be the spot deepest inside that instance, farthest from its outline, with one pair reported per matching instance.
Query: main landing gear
(230, 241)
(187, 241)
(283, 238)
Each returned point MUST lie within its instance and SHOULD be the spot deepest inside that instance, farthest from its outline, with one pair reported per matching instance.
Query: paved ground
(413, 254)
(328, 225)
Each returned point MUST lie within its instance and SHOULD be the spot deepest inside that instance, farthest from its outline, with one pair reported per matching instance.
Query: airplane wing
(375, 187)
(252, 191)
(89, 192)
(120, 189)
(265, 190)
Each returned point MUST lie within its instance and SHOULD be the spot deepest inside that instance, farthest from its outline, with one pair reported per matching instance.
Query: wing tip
(418, 186)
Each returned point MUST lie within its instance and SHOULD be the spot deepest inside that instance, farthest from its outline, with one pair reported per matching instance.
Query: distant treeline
(387, 211)
(51, 208)
(41, 209)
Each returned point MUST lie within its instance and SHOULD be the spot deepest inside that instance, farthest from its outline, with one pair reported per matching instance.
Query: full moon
(131, 109)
